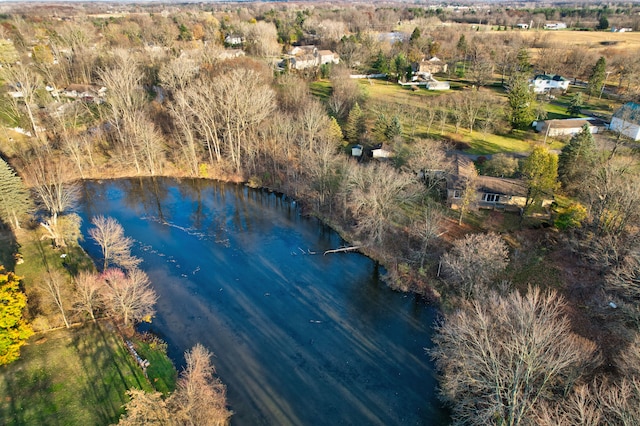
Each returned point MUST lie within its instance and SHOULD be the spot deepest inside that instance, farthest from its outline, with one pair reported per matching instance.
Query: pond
(300, 338)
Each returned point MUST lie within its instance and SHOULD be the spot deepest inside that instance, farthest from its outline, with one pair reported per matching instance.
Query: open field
(409, 105)
(76, 376)
(591, 39)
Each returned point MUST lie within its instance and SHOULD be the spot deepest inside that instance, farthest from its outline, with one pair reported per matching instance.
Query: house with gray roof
(626, 120)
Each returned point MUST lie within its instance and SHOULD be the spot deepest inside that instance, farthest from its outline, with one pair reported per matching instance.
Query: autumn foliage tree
(14, 330)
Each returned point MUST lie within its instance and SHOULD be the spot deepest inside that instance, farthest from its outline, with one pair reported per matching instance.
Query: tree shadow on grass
(26, 385)
(8, 247)
(108, 372)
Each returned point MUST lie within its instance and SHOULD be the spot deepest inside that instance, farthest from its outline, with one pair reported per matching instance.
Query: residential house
(303, 57)
(233, 40)
(230, 54)
(303, 50)
(626, 120)
(434, 84)
(491, 192)
(555, 26)
(85, 92)
(393, 37)
(569, 126)
(427, 67)
(544, 83)
(328, 57)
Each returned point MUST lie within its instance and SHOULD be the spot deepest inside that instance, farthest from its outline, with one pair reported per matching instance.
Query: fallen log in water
(341, 250)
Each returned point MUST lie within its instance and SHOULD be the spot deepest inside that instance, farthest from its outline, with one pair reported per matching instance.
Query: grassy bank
(69, 376)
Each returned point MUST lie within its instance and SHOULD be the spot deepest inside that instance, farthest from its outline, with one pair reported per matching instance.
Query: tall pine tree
(597, 77)
(576, 160)
(15, 200)
(355, 124)
(521, 101)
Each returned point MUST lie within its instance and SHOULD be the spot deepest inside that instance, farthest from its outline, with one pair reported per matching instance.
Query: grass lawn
(321, 89)
(77, 376)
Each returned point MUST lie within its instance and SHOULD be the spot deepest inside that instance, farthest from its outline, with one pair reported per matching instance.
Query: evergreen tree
(577, 160)
(597, 77)
(524, 60)
(15, 201)
(540, 172)
(334, 132)
(415, 35)
(381, 64)
(380, 128)
(575, 104)
(521, 101)
(603, 23)
(14, 330)
(355, 124)
(394, 129)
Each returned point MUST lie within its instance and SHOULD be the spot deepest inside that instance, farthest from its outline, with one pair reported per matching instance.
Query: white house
(233, 40)
(569, 126)
(328, 57)
(85, 92)
(555, 26)
(626, 120)
(434, 84)
(543, 83)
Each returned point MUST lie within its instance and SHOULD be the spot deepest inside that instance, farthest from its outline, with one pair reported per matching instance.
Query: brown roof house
(429, 66)
(569, 126)
(85, 92)
(491, 192)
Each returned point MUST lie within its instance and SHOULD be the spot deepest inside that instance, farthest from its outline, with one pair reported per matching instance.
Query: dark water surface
(299, 338)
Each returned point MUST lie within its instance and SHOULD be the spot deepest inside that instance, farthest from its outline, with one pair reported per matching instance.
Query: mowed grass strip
(75, 376)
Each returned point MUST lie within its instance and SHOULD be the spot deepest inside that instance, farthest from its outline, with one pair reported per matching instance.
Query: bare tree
(200, 397)
(27, 82)
(474, 262)
(125, 97)
(52, 182)
(87, 293)
(115, 246)
(581, 407)
(621, 401)
(261, 39)
(128, 296)
(55, 285)
(378, 197)
(614, 197)
(146, 408)
(427, 228)
(502, 357)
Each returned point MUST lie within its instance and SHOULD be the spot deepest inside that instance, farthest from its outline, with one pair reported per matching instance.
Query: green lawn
(321, 89)
(40, 256)
(69, 377)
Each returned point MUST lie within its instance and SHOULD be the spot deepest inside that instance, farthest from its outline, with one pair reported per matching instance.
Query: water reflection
(299, 338)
